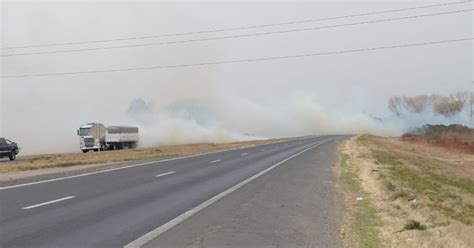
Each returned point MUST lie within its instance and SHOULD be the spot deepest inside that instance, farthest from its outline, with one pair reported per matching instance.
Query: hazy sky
(325, 94)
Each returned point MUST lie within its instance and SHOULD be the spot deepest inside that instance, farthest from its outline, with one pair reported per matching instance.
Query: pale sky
(324, 94)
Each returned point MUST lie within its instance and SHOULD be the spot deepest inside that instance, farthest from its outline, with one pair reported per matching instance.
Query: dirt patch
(422, 195)
(55, 161)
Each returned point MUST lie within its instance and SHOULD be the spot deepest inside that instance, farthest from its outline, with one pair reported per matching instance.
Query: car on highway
(8, 149)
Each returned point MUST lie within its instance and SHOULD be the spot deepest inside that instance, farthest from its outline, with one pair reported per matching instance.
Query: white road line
(244, 154)
(262, 150)
(49, 202)
(165, 174)
(130, 166)
(167, 226)
(114, 169)
(215, 161)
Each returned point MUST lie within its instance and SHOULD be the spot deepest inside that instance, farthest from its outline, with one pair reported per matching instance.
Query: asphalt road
(114, 208)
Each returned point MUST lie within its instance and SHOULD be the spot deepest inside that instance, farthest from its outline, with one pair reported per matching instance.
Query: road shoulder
(294, 205)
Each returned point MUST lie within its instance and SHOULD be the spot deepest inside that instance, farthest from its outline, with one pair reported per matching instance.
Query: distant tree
(395, 104)
(452, 104)
(443, 105)
(417, 104)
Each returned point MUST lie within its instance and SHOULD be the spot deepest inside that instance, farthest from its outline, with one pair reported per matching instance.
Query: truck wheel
(12, 155)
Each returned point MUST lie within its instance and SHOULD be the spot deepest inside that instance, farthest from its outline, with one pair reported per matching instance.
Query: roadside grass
(420, 195)
(363, 221)
(412, 177)
(385, 158)
(432, 188)
(69, 160)
(349, 177)
(414, 225)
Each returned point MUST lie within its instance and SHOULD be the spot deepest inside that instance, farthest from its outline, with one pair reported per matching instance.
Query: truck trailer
(98, 137)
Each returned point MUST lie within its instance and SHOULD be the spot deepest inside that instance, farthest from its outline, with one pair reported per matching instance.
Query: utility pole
(471, 102)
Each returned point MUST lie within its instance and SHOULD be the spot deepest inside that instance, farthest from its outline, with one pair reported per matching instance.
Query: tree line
(444, 105)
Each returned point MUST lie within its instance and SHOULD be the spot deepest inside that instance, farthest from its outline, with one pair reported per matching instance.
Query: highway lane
(113, 208)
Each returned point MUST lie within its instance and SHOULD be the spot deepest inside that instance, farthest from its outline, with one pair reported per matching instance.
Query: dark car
(8, 149)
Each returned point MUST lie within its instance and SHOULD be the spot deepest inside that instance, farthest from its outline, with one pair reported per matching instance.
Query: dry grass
(424, 196)
(67, 160)
(360, 229)
(456, 138)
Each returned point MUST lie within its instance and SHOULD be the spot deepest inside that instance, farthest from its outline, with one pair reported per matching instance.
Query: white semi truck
(97, 137)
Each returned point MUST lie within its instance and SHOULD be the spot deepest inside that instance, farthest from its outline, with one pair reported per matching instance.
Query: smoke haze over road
(335, 94)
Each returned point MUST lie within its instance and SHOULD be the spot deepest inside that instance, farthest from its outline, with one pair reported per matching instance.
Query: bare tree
(443, 105)
(395, 104)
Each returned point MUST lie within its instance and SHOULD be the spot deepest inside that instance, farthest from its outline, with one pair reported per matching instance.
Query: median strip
(49, 202)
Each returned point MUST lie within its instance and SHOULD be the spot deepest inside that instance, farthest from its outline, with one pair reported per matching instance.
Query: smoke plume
(333, 94)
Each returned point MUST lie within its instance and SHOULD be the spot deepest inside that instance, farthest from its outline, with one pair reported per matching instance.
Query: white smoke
(310, 96)
(407, 120)
(241, 119)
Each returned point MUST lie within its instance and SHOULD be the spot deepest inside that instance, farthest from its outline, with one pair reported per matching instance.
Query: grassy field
(413, 195)
(68, 160)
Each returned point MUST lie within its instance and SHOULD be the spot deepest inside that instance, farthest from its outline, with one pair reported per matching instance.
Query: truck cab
(8, 149)
(92, 137)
